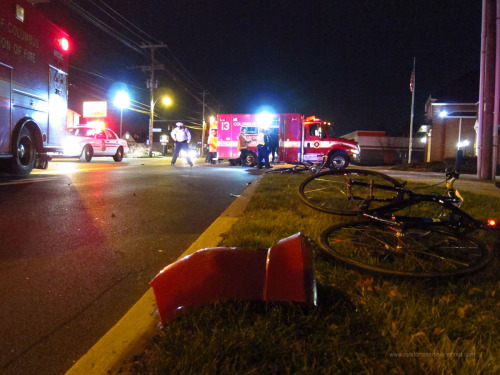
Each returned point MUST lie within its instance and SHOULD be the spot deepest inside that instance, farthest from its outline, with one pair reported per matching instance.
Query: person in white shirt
(181, 137)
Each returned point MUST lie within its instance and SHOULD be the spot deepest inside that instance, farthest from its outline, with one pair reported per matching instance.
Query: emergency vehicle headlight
(193, 154)
(71, 146)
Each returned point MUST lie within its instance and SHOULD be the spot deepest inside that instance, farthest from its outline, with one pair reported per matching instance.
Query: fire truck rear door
(58, 107)
(5, 102)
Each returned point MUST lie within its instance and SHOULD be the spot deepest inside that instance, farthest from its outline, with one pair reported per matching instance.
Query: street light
(122, 100)
(166, 101)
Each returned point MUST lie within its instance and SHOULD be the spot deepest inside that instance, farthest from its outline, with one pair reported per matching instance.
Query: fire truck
(301, 139)
(33, 87)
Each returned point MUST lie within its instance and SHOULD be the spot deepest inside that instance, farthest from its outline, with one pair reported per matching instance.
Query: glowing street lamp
(166, 101)
(122, 100)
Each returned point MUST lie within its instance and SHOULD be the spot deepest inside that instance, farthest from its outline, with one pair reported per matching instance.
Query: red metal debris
(290, 271)
(285, 272)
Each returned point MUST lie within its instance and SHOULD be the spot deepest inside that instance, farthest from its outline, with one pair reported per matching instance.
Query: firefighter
(263, 149)
(181, 137)
(212, 146)
(243, 147)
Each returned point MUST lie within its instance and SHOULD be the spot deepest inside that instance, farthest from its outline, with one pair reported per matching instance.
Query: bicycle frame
(405, 198)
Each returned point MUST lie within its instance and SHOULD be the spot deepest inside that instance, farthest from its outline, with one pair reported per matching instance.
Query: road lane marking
(28, 181)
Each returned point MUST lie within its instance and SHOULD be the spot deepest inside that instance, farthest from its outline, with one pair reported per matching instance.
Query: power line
(128, 36)
(102, 25)
(148, 37)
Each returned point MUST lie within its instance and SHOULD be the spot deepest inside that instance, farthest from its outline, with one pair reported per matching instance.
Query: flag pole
(412, 89)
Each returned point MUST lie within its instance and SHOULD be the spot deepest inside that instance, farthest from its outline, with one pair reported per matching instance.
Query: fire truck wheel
(339, 160)
(119, 154)
(24, 158)
(251, 159)
(87, 154)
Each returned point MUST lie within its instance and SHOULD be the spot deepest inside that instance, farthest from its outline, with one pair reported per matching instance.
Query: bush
(469, 165)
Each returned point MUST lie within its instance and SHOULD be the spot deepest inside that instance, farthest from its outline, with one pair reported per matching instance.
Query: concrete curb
(135, 329)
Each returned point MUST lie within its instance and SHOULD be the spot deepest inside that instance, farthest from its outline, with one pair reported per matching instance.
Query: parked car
(86, 142)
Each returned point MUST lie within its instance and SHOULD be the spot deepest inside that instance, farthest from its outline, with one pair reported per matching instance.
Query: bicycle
(295, 168)
(398, 232)
(315, 167)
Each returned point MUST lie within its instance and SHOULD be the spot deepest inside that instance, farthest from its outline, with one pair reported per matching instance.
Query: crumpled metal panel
(290, 271)
(285, 272)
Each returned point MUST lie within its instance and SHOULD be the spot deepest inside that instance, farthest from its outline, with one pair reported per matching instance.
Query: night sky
(348, 62)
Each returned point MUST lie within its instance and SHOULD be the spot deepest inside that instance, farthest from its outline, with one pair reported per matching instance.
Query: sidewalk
(135, 329)
(466, 182)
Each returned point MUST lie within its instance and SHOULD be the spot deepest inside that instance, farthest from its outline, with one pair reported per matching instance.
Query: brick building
(379, 149)
(451, 119)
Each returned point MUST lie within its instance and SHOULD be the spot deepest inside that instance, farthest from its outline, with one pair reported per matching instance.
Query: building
(73, 118)
(451, 119)
(379, 149)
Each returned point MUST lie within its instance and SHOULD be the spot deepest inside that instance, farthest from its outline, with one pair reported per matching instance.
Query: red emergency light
(312, 119)
(64, 44)
(97, 124)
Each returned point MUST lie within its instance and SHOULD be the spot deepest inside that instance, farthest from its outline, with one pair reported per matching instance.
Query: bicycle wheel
(346, 192)
(426, 252)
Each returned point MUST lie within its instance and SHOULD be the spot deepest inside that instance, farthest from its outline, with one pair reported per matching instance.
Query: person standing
(181, 137)
(212, 146)
(243, 147)
(274, 142)
(263, 149)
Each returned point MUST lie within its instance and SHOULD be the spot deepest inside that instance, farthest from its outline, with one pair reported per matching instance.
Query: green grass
(362, 324)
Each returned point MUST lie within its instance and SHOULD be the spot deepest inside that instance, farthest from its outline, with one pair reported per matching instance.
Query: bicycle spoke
(386, 249)
(343, 192)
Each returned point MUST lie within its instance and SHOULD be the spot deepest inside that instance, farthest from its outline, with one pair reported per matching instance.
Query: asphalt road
(81, 241)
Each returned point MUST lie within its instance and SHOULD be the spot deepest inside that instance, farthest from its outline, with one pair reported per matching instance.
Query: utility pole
(152, 86)
(412, 89)
(203, 127)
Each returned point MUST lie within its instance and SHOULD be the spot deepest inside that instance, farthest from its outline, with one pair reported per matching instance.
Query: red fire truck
(301, 140)
(33, 87)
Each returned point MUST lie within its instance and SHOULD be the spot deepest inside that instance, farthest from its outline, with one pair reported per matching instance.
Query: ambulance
(301, 139)
(33, 87)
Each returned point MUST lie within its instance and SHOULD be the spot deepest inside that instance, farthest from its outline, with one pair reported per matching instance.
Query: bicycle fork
(368, 200)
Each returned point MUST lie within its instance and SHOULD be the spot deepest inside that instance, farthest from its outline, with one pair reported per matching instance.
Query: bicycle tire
(417, 252)
(343, 192)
